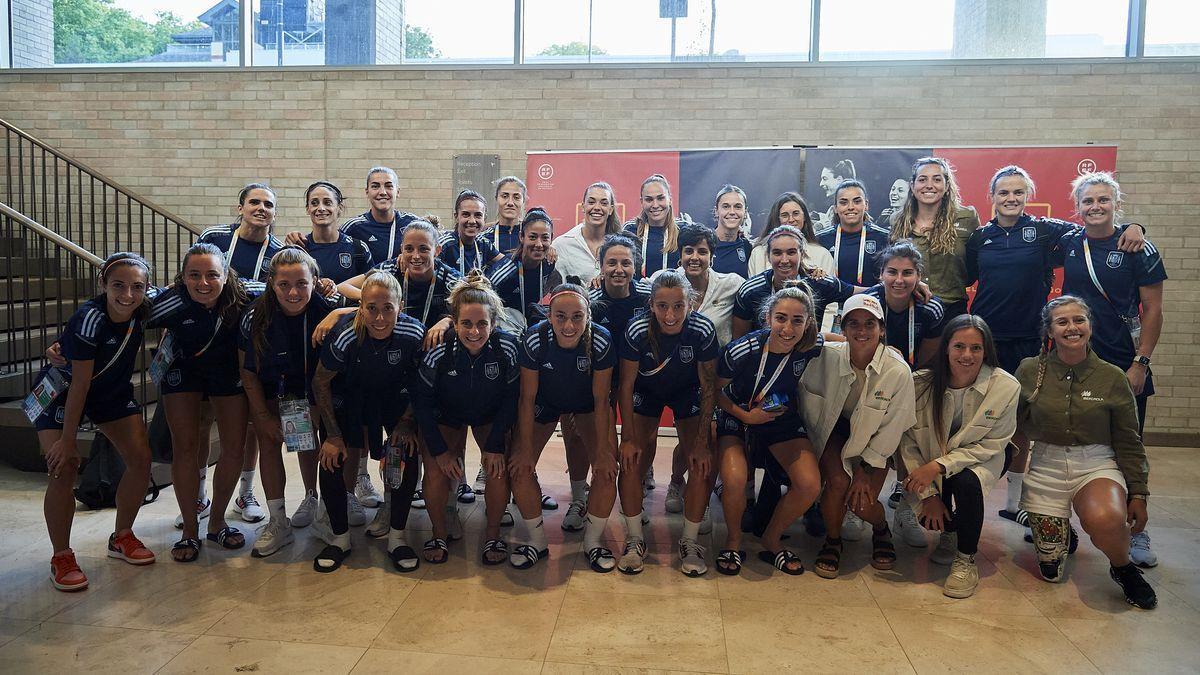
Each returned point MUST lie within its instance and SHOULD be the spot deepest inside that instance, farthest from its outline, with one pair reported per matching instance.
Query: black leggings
(333, 492)
(963, 497)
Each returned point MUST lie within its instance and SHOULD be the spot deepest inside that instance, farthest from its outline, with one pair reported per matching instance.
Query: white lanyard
(912, 348)
(306, 337)
(496, 235)
(521, 284)
(1087, 259)
(645, 241)
(462, 258)
(762, 364)
(262, 253)
(428, 296)
(392, 238)
(862, 249)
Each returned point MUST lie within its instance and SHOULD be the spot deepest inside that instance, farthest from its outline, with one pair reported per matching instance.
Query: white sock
(1013, 500)
(690, 530)
(341, 541)
(276, 509)
(396, 538)
(535, 534)
(202, 493)
(247, 482)
(579, 490)
(633, 527)
(594, 532)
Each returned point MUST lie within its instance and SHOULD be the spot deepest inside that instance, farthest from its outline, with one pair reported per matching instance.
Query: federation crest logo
(742, 254)
(1114, 260)
(393, 357)
(637, 400)
(797, 368)
(344, 260)
(870, 248)
(731, 424)
(686, 354)
(491, 370)
(583, 363)
(174, 377)
(1029, 233)
(60, 414)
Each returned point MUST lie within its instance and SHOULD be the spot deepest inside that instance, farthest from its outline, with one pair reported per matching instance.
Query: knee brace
(1050, 540)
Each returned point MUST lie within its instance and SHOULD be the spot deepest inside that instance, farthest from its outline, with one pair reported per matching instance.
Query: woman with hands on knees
(966, 415)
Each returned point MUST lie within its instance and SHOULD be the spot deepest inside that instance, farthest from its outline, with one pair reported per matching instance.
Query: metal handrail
(102, 177)
(46, 233)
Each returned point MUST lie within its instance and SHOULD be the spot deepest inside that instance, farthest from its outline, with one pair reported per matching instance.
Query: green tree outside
(418, 44)
(570, 49)
(96, 31)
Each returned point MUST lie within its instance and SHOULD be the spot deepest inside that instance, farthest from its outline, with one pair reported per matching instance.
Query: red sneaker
(128, 548)
(65, 572)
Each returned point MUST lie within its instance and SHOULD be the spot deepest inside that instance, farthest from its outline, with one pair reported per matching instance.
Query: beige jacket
(718, 302)
(989, 419)
(574, 256)
(881, 416)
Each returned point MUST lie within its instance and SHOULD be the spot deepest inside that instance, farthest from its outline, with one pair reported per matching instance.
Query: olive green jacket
(1088, 403)
(946, 273)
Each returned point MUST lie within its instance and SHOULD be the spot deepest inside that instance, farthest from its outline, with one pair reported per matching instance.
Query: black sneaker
(897, 495)
(1137, 592)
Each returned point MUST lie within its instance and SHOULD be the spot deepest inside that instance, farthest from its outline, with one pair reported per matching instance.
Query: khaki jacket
(989, 420)
(879, 419)
(574, 256)
(718, 302)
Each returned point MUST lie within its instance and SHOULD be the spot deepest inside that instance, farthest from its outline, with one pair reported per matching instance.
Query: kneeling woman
(470, 380)
(566, 369)
(757, 377)
(363, 359)
(966, 415)
(1087, 455)
(667, 360)
(858, 401)
(101, 343)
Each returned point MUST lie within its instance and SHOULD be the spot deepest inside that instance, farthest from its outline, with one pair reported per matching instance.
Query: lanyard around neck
(392, 238)
(755, 394)
(428, 296)
(912, 348)
(462, 257)
(262, 253)
(862, 249)
(521, 284)
(663, 248)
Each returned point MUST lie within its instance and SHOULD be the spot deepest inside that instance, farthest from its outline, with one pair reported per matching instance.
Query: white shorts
(1057, 472)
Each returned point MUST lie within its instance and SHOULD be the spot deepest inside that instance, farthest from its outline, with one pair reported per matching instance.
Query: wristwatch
(1142, 360)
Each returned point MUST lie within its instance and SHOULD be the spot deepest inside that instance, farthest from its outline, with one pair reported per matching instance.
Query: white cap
(864, 302)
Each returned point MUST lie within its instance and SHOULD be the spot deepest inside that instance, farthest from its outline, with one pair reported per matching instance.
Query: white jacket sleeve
(910, 452)
(992, 443)
(897, 418)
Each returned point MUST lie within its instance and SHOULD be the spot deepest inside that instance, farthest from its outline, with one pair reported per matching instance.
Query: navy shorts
(100, 407)
(208, 377)
(651, 405)
(359, 433)
(544, 413)
(786, 427)
(1011, 351)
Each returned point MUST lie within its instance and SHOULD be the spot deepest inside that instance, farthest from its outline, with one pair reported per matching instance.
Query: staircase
(58, 219)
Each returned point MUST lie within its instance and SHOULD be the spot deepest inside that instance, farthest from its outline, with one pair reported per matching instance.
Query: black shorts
(650, 404)
(100, 407)
(208, 377)
(368, 434)
(784, 428)
(1011, 351)
(544, 413)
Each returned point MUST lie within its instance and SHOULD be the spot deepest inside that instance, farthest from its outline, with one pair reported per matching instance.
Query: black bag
(100, 475)
(161, 450)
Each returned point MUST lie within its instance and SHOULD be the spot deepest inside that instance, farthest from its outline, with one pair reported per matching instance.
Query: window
(634, 31)
(1172, 28)
(863, 30)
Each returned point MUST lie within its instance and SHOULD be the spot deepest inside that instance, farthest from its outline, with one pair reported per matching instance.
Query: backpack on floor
(100, 475)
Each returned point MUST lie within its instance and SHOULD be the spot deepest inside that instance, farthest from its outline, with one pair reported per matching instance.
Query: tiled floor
(231, 613)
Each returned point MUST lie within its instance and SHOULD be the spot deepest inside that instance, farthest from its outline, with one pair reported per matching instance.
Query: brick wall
(32, 26)
(190, 140)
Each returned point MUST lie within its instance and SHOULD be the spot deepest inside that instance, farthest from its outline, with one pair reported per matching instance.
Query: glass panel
(864, 30)
(1172, 28)
(634, 31)
(47, 33)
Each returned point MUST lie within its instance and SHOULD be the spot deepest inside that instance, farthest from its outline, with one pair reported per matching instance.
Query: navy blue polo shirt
(733, 257)
(465, 257)
(654, 258)
(503, 239)
(246, 254)
(672, 372)
(343, 259)
(753, 292)
(1122, 275)
(288, 359)
(846, 255)
(1014, 267)
(195, 328)
(90, 335)
(506, 279)
(372, 374)
(382, 239)
(565, 375)
(614, 313)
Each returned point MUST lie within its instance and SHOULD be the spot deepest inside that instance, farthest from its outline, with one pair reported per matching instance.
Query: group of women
(392, 340)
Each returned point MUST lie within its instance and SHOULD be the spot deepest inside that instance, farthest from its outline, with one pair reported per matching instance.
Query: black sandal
(729, 562)
(404, 559)
(436, 544)
(223, 535)
(782, 561)
(525, 556)
(192, 546)
(829, 559)
(494, 546)
(333, 555)
(599, 555)
(883, 552)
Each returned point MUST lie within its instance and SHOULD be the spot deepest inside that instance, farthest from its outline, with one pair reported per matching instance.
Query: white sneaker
(247, 506)
(366, 493)
(321, 528)
(897, 495)
(964, 577)
(946, 549)
(276, 535)
(853, 527)
(706, 523)
(203, 509)
(418, 501)
(905, 524)
(355, 515)
(634, 558)
(454, 526)
(576, 518)
(1139, 550)
(307, 510)
(674, 498)
(381, 525)
(480, 482)
(691, 558)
